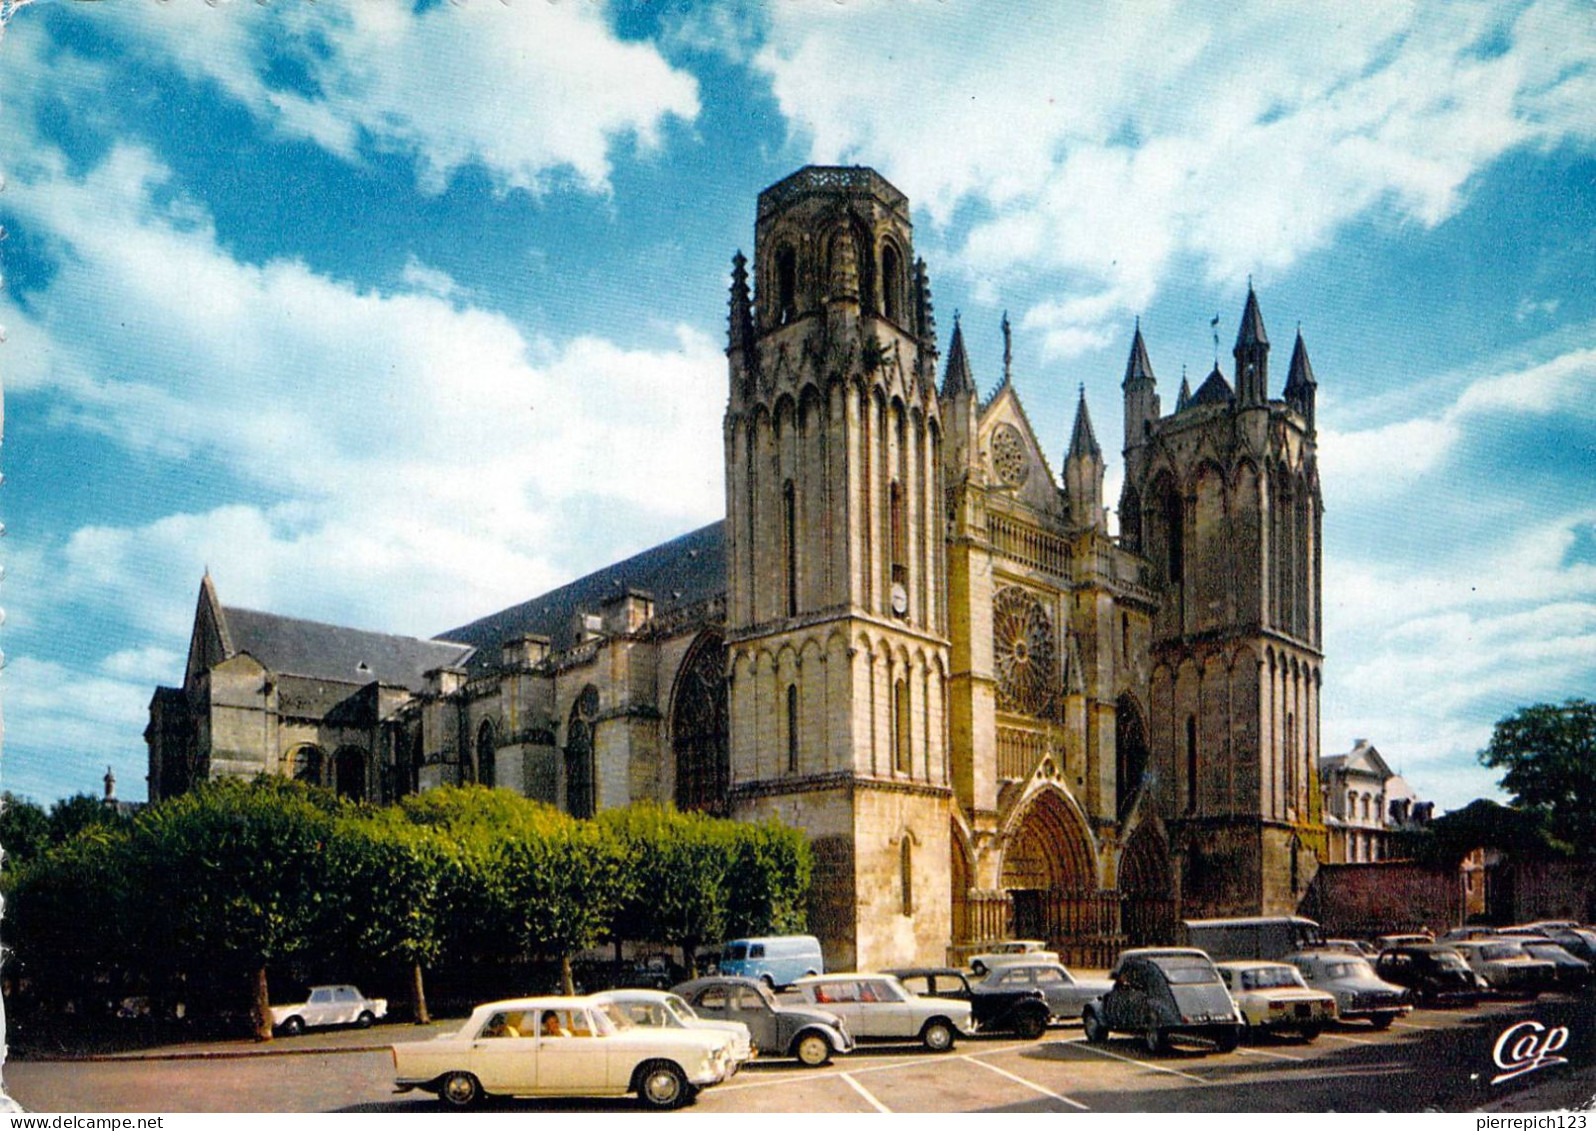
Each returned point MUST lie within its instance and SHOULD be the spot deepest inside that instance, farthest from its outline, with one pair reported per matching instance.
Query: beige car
(1012, 950)
(1274, 999)
(879, 1007)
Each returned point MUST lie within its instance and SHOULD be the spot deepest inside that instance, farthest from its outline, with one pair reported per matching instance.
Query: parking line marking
(1266, 1052)
(1027, 1083)
(1354, 1040)
(1140, 1063)
(860, 1088)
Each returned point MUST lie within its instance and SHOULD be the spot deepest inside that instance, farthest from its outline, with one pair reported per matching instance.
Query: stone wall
(1363, 900)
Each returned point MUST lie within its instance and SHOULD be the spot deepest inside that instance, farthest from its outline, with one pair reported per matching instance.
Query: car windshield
(680, 1008)
(1186, 971)
(1498, 951)
(1446, 960)
(1355, 968)
(1547, 950)
(1271, 978)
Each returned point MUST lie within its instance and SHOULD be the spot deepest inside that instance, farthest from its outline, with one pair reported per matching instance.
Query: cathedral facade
(909, 637)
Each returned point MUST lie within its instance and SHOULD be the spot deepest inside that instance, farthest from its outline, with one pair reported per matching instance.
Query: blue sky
(395, 316)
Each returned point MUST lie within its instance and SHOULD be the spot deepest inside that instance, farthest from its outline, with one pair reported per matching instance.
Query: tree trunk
(418, 994)
(566, 984)
(261, 1009)
(690, 958)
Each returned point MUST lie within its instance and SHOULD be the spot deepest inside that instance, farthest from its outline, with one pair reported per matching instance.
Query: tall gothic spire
(958, 379)
(1082, 441)
(1301, 388)
(1252, 354)
(1137, 367)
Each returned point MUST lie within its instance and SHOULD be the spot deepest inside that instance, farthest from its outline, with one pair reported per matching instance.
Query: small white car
(1012, 950)
(563, 1046)
(879, 1007)
(329, 1005)
(658, 1009)
(1274, 998)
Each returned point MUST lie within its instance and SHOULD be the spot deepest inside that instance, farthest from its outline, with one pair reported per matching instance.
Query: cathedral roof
(678, 573)
(330, 651)
(1215, 390)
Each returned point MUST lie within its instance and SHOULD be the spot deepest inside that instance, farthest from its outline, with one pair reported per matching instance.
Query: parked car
(1384, 943)
(1360, 994)
(562, 1046)
(1269, 937)
(777, 960)
(1462, 934)
(878, 1007)
(329, 1005)
(813, 1036)
(1012, 950)
(1361, 947)
(1503, 962)
(1066, 995)
(1018, 1009)
(1273, 998)
(1162, 993)
(658, 1009)
(1435, 974)
(1579, 942)
(1571, 973)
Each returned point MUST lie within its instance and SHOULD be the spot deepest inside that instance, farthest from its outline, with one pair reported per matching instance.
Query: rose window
(1022, 644)
(1008, 455)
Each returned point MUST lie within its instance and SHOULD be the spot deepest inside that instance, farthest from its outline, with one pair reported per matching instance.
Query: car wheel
(1382, 1020)
(1031, 1026)
(1096, 1028)
(812, 1050)
(1228, 1040)
(937, 1036)
(460, 1090)
(1310, 1033)
(662, 1086)
(366, 1019)
(1154, 1041)
(293, 1026)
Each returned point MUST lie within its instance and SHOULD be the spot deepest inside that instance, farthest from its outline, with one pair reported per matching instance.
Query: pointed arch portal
(1050, 874)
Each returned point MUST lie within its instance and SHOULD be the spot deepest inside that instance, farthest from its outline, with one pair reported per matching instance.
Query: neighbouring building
(1366, 804)
(909, 636)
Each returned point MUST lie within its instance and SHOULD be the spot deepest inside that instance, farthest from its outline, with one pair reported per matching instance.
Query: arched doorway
(1051, 877)
(699, 728)
(349, 773)
(305, 764)
(487, 754)
(1147, 890)
(1130, 753)
(579, 795)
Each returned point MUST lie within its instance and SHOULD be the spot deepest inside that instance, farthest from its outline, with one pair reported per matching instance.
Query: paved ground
(1432, 1060)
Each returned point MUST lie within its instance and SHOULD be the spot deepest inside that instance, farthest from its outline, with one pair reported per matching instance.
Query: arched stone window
(699, 728)
(580, 800)
(789, 534)
(792, 728)
(487, 754)
(349, 773)
(891, 282)
(906, 874)
(305, 764)
(902, 758)
(1130, 752)
(786, 284)
(900, 533)
(1191, 763)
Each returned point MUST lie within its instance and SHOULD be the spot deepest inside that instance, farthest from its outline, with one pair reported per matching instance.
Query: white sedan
(329, 1005)
(563, 1046)
(658, 1009)
(878, 1007)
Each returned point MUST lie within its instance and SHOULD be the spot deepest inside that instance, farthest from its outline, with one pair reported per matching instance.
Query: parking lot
(1431, 1059)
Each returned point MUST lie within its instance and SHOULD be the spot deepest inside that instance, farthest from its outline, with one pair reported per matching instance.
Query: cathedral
(909, 636)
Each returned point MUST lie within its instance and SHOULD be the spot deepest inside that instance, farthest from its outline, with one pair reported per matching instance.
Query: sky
(394, 316)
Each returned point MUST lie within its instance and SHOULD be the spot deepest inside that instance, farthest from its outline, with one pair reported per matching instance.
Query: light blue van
(779, 960)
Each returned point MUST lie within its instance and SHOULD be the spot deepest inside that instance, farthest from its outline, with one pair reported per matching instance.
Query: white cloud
(528, 90)
(1108, 142)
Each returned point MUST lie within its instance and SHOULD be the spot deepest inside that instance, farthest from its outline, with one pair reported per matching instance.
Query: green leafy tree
(559, 888)
(388, 885)
(1549, 754)
(71, 815)
(768, 880)
(675, 869)
(239, 873)
(24, 829)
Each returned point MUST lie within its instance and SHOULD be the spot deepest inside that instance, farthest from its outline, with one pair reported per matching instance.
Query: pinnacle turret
(1137, 367)
(1083, 442)
(740, 323)
(1251, 332)
(957, 380)
(1301, 388)
(1183, 398)
(1252, 354)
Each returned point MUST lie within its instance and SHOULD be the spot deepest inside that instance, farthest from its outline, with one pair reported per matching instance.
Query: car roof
(636, 993)
(901, 972)
(844, 976)
(550, 1002)
(1251, 964)
(716, 980)
(1163, 952)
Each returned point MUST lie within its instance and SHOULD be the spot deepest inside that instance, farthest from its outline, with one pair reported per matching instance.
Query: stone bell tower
(836, 617)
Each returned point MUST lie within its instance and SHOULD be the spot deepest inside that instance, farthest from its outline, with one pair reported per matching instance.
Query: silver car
(1066, 995)
(878, 1007)
(1360, 993)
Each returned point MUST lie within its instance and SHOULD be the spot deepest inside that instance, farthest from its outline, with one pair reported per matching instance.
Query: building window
(789, 516)
(786, 285)
(349, 773)
(900, 536)
(906, 874)
(580, 800)
(305, 765)
(1191, 763)
(792, 728)
(891, 282)
(900, 727)
(487, 755)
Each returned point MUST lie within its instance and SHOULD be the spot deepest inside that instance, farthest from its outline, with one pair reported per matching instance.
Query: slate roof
(680, 572)
(330, 651)
(1215, 390)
